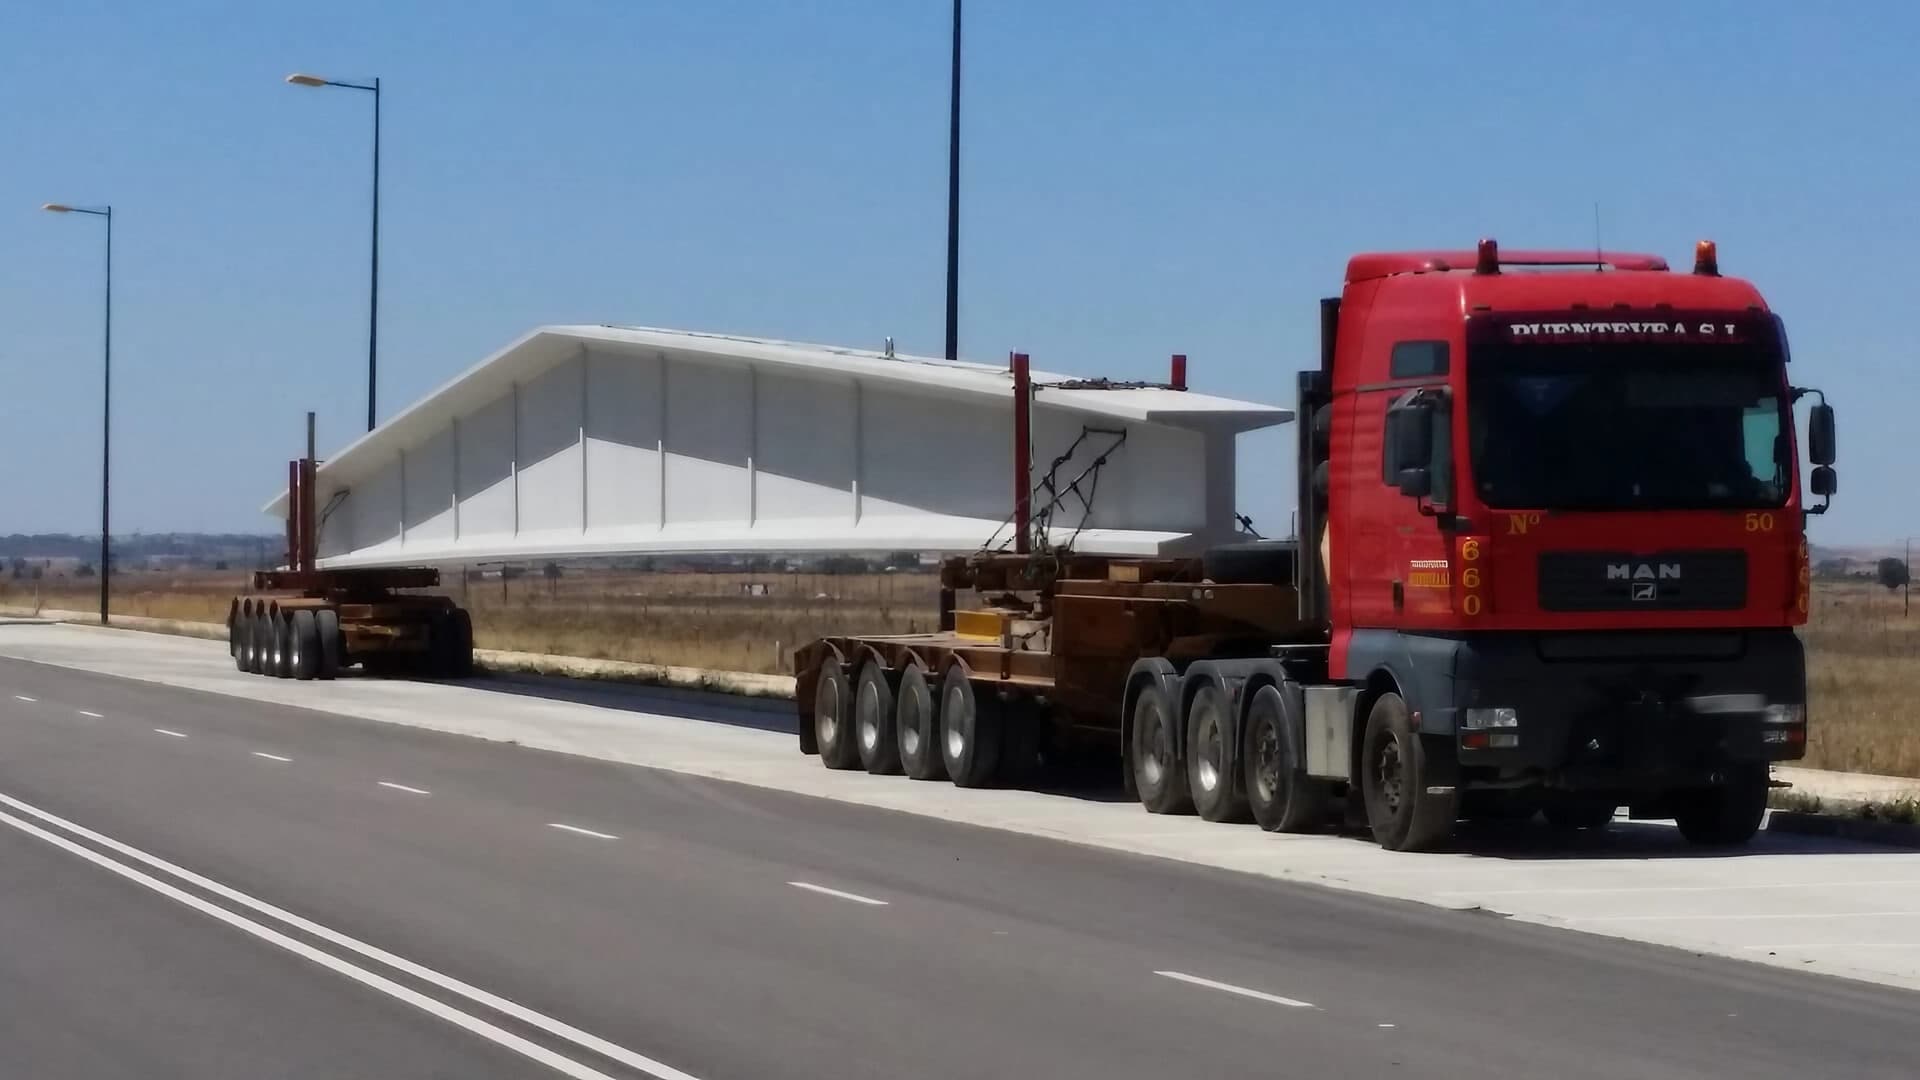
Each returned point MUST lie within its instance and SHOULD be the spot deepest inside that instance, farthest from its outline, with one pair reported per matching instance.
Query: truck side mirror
(1409, 445)
(1820, 436)
(1825, 482)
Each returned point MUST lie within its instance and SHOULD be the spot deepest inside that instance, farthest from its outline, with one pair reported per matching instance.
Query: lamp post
(373, 286)
(953, 198)
(106, 402)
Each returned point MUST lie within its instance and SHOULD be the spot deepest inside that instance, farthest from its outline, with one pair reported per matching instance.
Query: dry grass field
(1863, 652)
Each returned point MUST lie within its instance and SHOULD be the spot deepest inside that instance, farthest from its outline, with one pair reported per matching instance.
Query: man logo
(1666, 571)
(1646, 590)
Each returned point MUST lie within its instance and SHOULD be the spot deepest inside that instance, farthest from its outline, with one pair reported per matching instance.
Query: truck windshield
(1616, 426)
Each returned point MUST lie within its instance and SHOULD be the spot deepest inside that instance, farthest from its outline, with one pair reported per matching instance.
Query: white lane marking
(1257, 995)
(612, 1051)
(824, 891)
(403, 787)
(25, 698)
(271, 757)
(1840, 945)
(95, 715)
(359, 974)
(1717, 916)
(581, 831)
(1383, 1025)
(1611, 890)
(169, 734)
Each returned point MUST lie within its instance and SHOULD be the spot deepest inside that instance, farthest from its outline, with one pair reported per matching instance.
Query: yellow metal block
(979, 625)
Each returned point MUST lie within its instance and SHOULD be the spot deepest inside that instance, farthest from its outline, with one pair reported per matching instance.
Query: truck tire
(1260, 562)
(917, 726)
(1281, 795)
(305, 641)
(833, 717)
(240, 639)
(1403, 812)
(1571, 810)
(326, 624)
(1211, 776)
(1159, 776)
(1725, 815)
(970, 732)
(873, 719)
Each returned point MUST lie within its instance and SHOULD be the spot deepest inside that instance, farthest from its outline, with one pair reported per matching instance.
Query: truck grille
(1662, 581)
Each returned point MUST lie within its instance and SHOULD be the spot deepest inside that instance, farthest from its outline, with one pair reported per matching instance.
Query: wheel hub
(1266, 761)
(1390, 775)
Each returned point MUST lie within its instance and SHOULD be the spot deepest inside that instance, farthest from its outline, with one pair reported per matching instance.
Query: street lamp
(373, 287)
(106, 402)
(953, 198)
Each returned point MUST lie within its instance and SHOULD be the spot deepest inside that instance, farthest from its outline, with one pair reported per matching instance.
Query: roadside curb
(1889, 833)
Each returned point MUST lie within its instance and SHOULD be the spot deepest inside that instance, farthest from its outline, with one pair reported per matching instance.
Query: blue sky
(1140, 177)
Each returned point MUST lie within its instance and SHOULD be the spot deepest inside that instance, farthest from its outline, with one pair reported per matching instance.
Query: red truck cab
(1559, 517)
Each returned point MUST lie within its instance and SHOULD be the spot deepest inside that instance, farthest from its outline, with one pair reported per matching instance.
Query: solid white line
(527, 1016)
(299, 948)
(1841, 945)
(1232, 989)
(95, 715)
(171, 734)
(1835, 884)
(581, 831)
(824, 891)
(403, 787)
(1721, 917)
(271, 757)
(25, 698)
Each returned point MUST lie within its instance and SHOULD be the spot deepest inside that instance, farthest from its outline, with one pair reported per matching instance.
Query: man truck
(1551, 553)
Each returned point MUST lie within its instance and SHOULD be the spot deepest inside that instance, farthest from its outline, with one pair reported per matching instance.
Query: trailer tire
(1211, 776)
(970, 730)
(240, 639)
(832, 717)
(873, 719)
(1281, 795)
(281, 664)
(1403, 811)
(460, 657)
(1159, 776)
(917, 726)
(326, 625)
(261, 639)
(305, 641)
(1726, 815)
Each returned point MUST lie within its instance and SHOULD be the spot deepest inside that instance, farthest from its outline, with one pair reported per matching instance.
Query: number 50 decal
(1473, 577)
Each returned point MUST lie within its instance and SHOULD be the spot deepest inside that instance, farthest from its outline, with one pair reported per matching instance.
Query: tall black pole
(953, 199)
(373, 291)
(106, 432)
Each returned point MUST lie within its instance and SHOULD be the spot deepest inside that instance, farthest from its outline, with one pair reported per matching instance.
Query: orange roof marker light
(1487, 260)
(1706, 259)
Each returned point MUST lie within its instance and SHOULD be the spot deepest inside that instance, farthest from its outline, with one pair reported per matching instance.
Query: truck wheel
(832, 717)
(305, 642)
(1211, 777)
(917, 726)
(1404, 813)
(1281, 795)
(240, 636)
(1158, 774)
(873, 721)
(261, 641)
(969, 731)
(1567, 810)
(326, 624)
(460, 655)
(1724, 815)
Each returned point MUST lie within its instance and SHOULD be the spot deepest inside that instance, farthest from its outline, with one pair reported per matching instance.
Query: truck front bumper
(1585, 710)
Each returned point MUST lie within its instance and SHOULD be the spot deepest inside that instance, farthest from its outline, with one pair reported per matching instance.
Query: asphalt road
(206, 886)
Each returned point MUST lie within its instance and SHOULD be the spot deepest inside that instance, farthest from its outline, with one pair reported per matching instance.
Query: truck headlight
(1481, 719)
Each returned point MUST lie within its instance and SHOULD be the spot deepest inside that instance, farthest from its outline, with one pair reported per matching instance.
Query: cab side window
(1418, 360)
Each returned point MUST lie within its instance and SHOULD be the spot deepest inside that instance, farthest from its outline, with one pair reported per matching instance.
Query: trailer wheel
(305, 641)
(970, 729)
(832, 717)
(1217, 794)
(282, 645)
(917, 726)
(261, 642)
(1157, 772)
(1725, 815)
(873, 720)
(326, 624)
(1279, 791)
(1405, 814)
(460, 656)
(240, 639)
